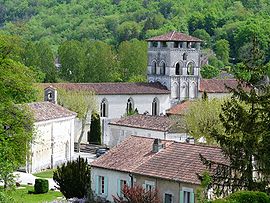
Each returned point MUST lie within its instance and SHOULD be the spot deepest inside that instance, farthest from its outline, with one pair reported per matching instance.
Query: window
(155, 107)
(163, 44)
(177, 69)
(190, 68)
(130, 105)
(163, 69)
(149, 185)
(168, 198)
(121, 185)
(187, 195)
(185, 56)
(154, 68)
(176, 44)
(104, 108)
(101, 184)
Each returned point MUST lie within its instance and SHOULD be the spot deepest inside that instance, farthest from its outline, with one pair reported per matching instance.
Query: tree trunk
(82, 132)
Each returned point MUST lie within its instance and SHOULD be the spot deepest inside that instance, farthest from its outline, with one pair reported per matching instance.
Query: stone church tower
(174, 61)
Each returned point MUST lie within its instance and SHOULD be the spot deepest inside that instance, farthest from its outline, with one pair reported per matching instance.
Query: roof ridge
(172, 35)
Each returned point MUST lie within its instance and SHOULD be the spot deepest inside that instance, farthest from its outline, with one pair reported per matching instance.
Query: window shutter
(97, 184)
(106, 186)
(192, 197)
(181, 197)
(119, 187)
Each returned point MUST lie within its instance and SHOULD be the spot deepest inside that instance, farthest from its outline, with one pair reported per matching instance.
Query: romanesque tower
(174, 61)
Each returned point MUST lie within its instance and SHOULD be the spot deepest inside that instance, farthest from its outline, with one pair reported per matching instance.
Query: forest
(91, 38)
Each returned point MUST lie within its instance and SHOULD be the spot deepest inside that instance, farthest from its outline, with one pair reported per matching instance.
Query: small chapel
(173, 73)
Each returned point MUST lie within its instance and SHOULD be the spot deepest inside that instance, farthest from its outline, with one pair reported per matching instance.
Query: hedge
(41, 186)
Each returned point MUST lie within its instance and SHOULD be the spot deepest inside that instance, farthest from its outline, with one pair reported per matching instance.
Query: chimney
(157, 145)
(50, 94)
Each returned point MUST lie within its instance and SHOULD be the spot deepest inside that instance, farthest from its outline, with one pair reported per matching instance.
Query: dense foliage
(226, 26)
(41, 186)
(95, 129)
(73, 178)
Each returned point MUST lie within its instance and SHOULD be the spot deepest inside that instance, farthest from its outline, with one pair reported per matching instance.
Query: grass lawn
(45, 174)
(22, 196)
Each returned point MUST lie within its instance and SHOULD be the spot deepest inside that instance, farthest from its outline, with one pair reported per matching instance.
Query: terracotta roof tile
(113, 88)
(175, 36)
(44, 111)
(216, 85)
(179, 109)
(159, 123)
(176, 161)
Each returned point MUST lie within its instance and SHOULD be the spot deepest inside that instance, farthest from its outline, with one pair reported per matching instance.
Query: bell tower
(174, 61)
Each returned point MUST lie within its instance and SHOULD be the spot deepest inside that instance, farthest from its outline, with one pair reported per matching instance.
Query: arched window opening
(177, 69)
(155, 107)
(175, 91)
(193, 92)
(185, 56)
(104, 108)
(190, 68)
(184, 91)
(163, 69)
(154, 68)
(130, 105)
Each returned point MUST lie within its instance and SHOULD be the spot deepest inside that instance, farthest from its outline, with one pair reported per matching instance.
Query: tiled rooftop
(113, 88)
(175, 36)
(176, 161)
(44, 111)
(159, 123)
(217, 86)
(179, 109)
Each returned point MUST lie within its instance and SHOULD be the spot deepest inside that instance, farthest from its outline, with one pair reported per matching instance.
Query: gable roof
(217, 86)
(175, 36)
(176, 161)
(149, 122)
(179, 109)
(44, 111)
(113, 88)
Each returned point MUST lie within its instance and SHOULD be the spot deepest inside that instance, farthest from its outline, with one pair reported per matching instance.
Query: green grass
(22, 196)
(45, 174)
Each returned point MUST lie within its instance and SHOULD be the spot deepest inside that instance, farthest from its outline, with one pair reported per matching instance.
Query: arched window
(162, 68)
(104, 108)
(175, 91)
(155, 107)
(192, 91)
(177, 69)
(185, 56)
(184, 91)
(130, 105)
(154, 68)
(190, 68)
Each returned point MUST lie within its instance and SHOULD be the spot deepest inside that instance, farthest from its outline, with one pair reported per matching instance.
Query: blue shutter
(97, 184)
(181, 197)
(106, 186)
(119, 187)
(192, 197)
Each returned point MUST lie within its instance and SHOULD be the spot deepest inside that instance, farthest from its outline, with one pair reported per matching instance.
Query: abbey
(173, 71)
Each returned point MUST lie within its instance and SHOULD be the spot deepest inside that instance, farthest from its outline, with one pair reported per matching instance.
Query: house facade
(53, 141)
(170, 167)
(161, 127)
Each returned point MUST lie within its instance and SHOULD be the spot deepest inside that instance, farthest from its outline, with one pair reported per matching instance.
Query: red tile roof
(216, 85)
(113, 88)
(179, 109)
(175, 36)
(44, 111)
(159, 123)
(176, 161)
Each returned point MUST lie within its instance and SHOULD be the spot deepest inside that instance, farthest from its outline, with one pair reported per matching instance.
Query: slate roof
(149, 122)
(44, 111)
(176, 161)
(216, 85)
(175, 36)
(179, 109)
(113, 88)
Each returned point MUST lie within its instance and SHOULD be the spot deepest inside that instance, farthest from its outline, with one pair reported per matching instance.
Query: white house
(53, 142)
(171, 167)
(161, 127)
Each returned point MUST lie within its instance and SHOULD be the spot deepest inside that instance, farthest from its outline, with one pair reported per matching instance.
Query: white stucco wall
(119, 133)
(52, 145)
(113, 178)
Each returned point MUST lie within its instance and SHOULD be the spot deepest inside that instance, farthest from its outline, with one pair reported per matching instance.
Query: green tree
(208, 71)
(128, 30)
(95, 129)
(73, 178)
(71, 55)
(132, 59)
(222, 49)
(203, 35)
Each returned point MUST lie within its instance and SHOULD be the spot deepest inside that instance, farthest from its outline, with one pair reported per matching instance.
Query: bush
(73, 178)
(249, 197)
(5, 198)
(41, 186)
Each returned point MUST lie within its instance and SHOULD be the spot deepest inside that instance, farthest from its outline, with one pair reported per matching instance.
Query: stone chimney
(50, 94)
(157, 145)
